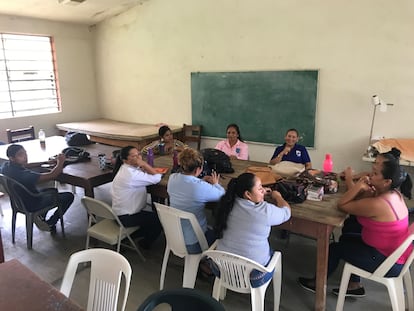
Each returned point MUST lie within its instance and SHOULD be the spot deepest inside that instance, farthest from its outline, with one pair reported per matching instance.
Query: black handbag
(77, 139)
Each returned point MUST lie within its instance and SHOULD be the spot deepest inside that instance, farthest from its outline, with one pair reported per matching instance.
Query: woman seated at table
(351, 225)
(189, 193)
(234, 146)
(166, 140)
(291, 151)
(383, 215)
(244, 221)
(129, 194)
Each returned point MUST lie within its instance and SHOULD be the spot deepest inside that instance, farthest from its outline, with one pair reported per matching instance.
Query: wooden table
(86, 175)
(116, 133)
(315, 219)
(21, 289)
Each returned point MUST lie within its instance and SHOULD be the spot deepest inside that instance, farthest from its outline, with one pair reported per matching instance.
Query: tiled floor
(50, 254)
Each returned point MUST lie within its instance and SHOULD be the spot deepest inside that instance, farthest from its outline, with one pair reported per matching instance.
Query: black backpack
(292, 192)
(77, 139)
(75, 155)
(217, 160)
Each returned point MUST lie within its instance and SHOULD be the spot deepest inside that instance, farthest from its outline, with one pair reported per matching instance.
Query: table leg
(322, 266)
(1, 249)
(89, 191)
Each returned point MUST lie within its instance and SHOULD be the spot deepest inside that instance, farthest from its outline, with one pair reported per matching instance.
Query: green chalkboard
(265, 104)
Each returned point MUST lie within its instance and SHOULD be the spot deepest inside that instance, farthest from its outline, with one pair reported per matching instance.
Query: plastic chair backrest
(98, 208)
(234, 269)
(23, 134)
(382, 270)
(107, 267)
(170, 219)
(184, 299)
(16, 191)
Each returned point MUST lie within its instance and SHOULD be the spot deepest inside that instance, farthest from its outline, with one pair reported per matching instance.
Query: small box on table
(315, 193)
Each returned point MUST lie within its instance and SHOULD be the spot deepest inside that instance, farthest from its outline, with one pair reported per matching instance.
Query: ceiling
(88, 12)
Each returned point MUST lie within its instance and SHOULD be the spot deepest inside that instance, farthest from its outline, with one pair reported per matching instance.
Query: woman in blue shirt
(244, 221)
(189, 193)
(291, 151)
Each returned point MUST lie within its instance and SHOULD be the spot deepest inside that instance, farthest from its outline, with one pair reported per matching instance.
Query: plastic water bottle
(150, 157)
(42, 136)
(328, 163)
(161, 147)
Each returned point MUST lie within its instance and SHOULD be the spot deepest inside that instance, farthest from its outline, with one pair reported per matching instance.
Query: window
(28, 84)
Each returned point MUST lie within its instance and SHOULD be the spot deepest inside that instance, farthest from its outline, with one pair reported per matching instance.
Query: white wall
(145, 57)
(76, 72)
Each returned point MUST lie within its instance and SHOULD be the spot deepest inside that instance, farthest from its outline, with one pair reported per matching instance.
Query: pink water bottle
(328, 163)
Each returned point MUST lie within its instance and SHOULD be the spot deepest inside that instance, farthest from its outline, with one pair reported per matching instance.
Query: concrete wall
(145, 56)
(76, 72)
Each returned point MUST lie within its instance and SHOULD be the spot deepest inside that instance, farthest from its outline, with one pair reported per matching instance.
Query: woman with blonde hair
(189, 193)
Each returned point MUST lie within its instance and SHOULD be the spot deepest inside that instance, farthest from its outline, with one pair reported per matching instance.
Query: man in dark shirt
(17, 169)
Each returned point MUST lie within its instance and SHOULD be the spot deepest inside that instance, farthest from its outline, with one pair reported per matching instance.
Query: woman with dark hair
(234, 146)
(166, 140)
(129, 194)
(244, 221)
(351, 225)
(291, 151)
(383, 217)
(189, 193)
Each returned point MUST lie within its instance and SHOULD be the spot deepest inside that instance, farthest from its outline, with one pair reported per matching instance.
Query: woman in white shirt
(129, 194)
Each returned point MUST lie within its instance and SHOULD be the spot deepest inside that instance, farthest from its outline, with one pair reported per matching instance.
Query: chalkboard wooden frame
(265, 104)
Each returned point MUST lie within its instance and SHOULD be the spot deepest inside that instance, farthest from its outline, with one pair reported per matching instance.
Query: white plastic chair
(107, 268)
(105, 225)
(395, 285)
(235, 275)
(170, 219)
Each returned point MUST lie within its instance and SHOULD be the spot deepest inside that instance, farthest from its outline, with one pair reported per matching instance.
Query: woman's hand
(267, 190)
(361, 189)
(213, 179)
(364, 184)
(280, 201)
(285, 151)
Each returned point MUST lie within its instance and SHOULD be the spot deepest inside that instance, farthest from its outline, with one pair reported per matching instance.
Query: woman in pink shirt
(234, 146)
(383, 215)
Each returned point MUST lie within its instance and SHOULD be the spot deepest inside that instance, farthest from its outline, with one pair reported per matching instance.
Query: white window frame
(28, 76)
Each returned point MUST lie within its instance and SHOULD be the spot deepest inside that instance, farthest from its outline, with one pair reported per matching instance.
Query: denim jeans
(353, 250)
